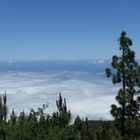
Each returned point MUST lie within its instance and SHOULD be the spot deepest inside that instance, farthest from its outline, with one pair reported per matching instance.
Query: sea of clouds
(88, 94)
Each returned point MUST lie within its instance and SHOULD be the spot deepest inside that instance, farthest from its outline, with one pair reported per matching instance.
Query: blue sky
(58, 29)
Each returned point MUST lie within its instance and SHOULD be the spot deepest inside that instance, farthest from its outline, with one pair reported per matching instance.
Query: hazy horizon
(82, 83)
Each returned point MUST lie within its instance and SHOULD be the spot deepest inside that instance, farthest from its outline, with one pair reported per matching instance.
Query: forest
(39, 125)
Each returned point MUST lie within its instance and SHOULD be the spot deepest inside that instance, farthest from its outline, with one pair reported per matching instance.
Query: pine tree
(13, 118)
(63, 115)
(127, 73)
(1, 110)
(5, 110)
(3, 114)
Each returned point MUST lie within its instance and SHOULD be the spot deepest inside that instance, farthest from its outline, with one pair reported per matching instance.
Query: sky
(66, 29)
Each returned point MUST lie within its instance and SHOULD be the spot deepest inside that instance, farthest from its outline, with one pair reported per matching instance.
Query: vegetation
(126, 73)
(39, 125)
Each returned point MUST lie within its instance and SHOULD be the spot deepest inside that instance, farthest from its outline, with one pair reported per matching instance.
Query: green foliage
(38, 125)
(3, 108)
(127, 73)
(62, 117)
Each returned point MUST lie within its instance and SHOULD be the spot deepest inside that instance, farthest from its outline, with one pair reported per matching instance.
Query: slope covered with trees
(39, 125)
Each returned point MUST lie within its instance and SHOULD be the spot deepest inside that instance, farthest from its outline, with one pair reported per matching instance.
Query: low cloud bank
(87, 94)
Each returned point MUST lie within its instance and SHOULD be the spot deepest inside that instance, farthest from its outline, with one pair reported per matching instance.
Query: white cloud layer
(87, 94)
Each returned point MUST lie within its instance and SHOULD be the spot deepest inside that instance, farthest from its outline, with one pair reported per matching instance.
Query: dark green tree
(126, 73)
(13, 117)
(3, 108)
(63, 116)
(3, 114)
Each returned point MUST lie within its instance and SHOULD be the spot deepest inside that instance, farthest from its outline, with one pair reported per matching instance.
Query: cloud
(87, 94)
